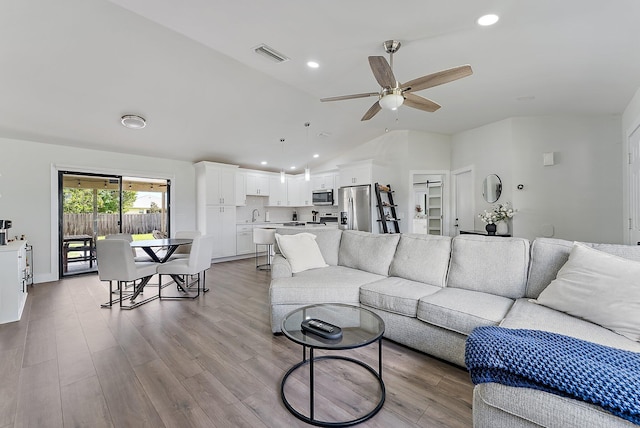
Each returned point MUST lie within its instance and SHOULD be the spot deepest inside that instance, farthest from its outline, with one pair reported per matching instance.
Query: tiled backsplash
(276, 214)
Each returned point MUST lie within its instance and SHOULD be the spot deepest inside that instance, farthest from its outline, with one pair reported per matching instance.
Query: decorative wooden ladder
(386, 208)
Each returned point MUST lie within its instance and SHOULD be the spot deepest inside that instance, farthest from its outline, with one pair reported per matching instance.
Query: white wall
(580, 196)
(28, 187)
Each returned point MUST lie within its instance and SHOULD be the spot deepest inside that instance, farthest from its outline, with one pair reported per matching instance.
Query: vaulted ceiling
(70, 69)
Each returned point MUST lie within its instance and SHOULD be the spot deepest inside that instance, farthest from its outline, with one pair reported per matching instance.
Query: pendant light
(307, 170)
(282, 178)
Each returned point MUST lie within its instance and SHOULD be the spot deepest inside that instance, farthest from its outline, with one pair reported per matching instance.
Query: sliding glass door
(95, 205)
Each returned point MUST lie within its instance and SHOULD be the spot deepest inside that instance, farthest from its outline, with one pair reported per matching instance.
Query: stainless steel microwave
(322, 197)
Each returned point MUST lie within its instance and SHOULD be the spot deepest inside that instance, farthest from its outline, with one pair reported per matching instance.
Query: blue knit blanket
(563, 365)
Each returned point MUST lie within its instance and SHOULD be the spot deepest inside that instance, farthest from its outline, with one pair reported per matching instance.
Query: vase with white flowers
(497, 217)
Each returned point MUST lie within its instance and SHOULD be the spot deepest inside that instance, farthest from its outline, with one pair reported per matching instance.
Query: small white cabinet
(257, 184)
(323, 181)
(14, 273)
(298, 192)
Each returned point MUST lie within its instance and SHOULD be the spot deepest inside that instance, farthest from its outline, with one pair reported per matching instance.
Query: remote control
(321, 328)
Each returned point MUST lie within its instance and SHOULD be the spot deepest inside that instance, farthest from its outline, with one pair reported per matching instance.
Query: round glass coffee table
(360, 327)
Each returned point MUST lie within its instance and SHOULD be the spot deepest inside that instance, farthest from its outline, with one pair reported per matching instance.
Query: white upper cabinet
(216, 183)
(356, 174)
(241, 189)
(298, 192)
(277, 192)
(257, 184)
(323, 181)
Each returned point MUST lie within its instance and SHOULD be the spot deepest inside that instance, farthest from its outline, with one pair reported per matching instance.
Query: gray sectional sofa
(432, 291)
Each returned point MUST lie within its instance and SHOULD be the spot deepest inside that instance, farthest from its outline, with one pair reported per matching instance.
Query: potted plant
(498, 215)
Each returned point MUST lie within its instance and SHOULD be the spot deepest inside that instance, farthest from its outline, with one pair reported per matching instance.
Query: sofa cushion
(462, 310)
(301, 250)
(328, 241)
(549, 255)
(598, 287)
(367, 251)
(528, 315)
(494, 265)
(422, 258)
(396, 295)
(332, 284)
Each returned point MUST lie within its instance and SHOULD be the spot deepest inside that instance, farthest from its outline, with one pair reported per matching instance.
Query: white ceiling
(69, 69)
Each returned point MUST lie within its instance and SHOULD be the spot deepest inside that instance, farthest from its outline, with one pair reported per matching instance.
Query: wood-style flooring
(211, 362)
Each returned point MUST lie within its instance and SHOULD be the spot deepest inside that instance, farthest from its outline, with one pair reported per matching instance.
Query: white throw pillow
(598, 287)
(301, 250)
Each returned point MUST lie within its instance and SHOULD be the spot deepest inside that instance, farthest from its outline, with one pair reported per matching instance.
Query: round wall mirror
(492, 188)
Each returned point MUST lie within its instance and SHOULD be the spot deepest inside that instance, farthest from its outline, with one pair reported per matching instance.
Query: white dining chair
(196, 264)
(116, 263)
(128, 237)
(183, 250)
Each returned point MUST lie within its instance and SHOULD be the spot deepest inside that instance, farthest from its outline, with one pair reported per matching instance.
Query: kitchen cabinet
(244, 240)
(220, 222)
(298, 192)
(257, 184)
(14, 274)
(355, 174)
(241, 189)
(277, 192)
(323, 181)
(216, 183)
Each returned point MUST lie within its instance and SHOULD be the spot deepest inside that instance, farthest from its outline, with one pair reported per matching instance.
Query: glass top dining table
(171, 244)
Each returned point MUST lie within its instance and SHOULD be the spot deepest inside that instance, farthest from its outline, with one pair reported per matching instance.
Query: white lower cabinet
(221, 224)
(13, 280)
(244, 240)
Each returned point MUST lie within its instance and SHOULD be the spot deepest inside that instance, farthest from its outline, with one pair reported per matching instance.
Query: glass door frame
(61, 174)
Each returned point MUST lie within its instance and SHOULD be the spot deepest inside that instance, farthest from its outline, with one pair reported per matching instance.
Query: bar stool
(264, 236)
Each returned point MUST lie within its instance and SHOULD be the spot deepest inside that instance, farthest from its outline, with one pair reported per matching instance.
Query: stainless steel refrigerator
(354, 203)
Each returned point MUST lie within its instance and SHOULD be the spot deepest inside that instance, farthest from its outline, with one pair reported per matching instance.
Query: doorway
(95, 205)
(463, 200)
(634, 187)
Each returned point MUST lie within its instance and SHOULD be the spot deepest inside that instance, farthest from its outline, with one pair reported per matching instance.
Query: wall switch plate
(548, 159)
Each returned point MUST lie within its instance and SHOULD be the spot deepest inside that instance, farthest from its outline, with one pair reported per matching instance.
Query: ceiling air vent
(269, 52)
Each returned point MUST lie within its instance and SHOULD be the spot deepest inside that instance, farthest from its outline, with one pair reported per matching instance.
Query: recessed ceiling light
(487, 20)
(263, 163)
(292, 167)
(312, 64)
(316, 155)
(133, 121)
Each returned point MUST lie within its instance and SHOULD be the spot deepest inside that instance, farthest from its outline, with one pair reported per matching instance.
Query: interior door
(463, 201)
(634, 187)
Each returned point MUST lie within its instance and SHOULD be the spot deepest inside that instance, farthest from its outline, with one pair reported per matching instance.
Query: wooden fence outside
(82, 224)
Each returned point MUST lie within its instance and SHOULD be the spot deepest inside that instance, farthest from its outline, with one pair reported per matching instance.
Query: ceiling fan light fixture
(133, 121)
(391, 101)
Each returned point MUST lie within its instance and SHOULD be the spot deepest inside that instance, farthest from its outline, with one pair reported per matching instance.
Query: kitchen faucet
(253, 215)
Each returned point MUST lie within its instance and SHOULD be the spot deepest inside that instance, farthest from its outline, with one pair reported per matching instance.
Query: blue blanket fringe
(563, 365)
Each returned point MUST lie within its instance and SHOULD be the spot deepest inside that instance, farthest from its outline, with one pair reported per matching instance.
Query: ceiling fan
(394, 94)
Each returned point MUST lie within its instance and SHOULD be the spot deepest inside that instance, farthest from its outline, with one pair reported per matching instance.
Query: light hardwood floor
(212, 362)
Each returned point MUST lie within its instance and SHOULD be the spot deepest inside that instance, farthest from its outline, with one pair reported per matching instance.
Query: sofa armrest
(280, 267)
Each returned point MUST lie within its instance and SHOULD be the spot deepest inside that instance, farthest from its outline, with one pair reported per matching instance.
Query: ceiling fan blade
(375, 108)
(439, 78)
(382, 71)
(348, 97)
(420, 103)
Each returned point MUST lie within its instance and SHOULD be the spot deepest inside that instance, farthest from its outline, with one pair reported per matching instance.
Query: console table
(482, 232)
